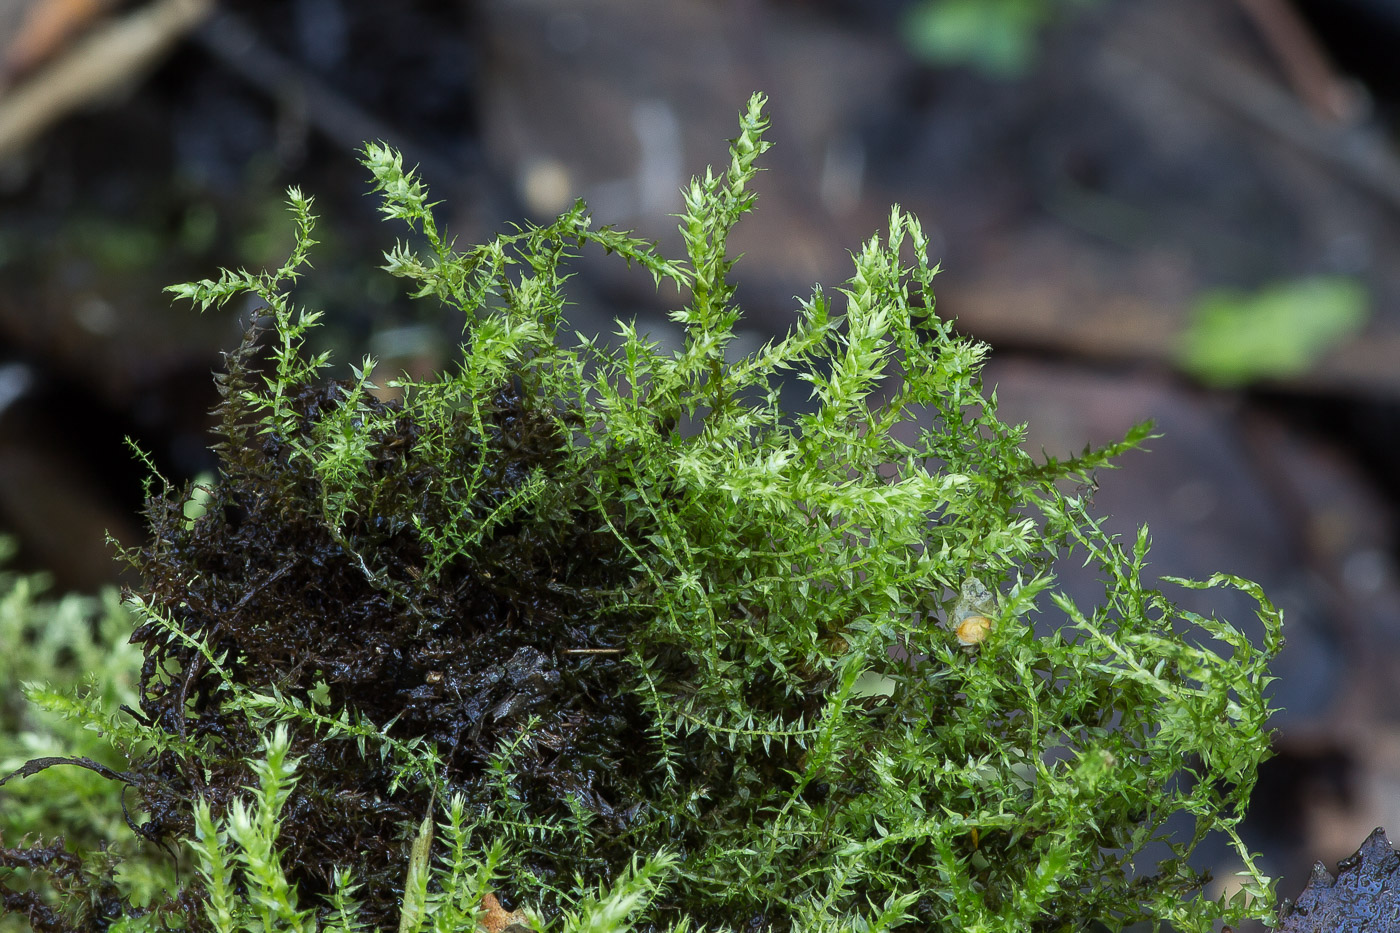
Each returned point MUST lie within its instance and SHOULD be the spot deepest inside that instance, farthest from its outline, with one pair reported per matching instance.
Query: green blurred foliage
(997, 37)
(61, 655)
(1280, 331)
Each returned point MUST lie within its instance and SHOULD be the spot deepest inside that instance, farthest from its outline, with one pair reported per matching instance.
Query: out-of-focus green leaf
(997, 37)
(1280, 331)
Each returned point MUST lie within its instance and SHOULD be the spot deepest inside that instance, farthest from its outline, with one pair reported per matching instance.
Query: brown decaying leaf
(497, 918)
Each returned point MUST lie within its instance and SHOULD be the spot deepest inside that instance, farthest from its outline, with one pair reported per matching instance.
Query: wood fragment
(106, 60)
(1303, 60)
(47, 27)
(1356, 154)
(34, 765)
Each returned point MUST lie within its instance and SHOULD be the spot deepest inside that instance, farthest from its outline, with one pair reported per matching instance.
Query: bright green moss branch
(654, 651)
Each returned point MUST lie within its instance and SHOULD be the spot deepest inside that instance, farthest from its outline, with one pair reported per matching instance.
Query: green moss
(67, 670)
(612, 634)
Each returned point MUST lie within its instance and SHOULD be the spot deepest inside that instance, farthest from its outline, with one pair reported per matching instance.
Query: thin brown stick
(108, 58)
(1353, 152)
(1303, 60)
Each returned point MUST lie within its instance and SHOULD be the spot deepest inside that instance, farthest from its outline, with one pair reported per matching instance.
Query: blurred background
(1184, 210)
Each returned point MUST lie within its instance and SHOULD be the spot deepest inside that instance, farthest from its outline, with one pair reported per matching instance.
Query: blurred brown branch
(1303, 60)
(108, 58)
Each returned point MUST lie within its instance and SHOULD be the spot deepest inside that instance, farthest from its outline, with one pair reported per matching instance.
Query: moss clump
(612, 636)
(470, 658)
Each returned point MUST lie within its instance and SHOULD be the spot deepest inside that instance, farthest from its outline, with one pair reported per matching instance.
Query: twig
(34, 765)
(1303, 60)
(110, 57)
(47, 29)
(1357, 153)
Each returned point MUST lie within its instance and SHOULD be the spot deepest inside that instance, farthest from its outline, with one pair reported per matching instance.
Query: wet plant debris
(1364, 897)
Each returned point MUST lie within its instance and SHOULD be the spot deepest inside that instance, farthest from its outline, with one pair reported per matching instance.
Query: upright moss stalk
(602, 636)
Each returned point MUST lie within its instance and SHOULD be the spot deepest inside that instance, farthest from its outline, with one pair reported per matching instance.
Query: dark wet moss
(514, 632)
